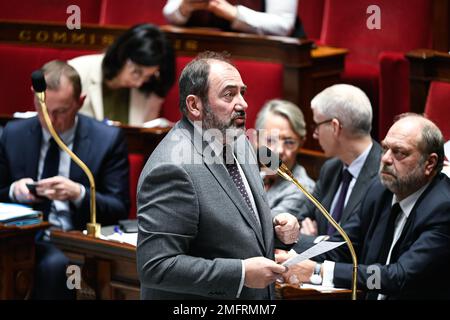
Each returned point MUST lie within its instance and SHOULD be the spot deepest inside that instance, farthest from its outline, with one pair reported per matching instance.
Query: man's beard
(403, 185)
(228, 129)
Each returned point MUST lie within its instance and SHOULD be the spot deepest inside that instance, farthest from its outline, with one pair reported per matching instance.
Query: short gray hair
(286, 109)
(347, 103)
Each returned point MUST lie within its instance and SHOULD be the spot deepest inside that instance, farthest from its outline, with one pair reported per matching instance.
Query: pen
(117, 230)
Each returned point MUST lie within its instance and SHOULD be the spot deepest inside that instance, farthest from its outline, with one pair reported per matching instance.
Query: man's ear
(194, 107)
(430, 164)
(81, 100)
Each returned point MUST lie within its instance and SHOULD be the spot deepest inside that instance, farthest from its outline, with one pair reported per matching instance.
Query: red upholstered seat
(437, 107)
(263, 79)
(49, 10)
(311, 14)
(405, 25)
(23, 61)
(131, 12)
(136, 165)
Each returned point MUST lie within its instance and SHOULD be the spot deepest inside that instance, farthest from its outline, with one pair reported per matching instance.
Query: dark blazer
(194, 225)
(327, 186)
(102, 148)
(420, 261)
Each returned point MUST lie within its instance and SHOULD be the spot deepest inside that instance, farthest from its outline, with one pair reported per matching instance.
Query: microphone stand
(284, 172)
(93, 228)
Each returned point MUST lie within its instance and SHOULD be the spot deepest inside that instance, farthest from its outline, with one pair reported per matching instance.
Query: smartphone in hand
(32, 187)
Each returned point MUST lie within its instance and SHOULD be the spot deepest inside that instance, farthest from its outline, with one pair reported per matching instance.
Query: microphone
(39, 87)
(272, 160)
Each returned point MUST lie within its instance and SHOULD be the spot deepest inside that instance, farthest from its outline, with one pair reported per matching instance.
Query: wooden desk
(108, 267)
(17, 259)
(109, 270)
(426, 66)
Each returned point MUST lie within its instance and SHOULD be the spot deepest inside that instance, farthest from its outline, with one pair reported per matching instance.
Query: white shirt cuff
(179, 17)
(241, 284)
(11, 192)
(328, 273)
(320, 239)
(77, 202)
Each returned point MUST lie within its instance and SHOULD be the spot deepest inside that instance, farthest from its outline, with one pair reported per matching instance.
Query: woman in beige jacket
(129, 82)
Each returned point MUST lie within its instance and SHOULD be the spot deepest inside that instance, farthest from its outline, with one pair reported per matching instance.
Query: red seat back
(311, 14)
(405, 25)
(136, 165)
(437, 107)
(23, 61)
(49, 10)
(131, 12)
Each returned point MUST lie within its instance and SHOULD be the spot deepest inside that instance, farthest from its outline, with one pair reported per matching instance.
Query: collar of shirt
(67, 136)
(408, 203)
(355, 167)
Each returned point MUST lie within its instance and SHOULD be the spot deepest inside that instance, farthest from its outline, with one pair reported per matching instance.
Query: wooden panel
(17, 257)
(426, 66)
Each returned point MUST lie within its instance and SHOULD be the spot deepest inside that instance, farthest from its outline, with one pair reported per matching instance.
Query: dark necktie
(339, 208)
(389, 234)
(51, 169)
(233, 170)
(51, 162)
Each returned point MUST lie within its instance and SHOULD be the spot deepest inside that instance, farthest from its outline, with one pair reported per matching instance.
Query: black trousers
(50, 273)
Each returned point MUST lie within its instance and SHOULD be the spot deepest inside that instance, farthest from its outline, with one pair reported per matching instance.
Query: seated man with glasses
(342, 117)
(281, 127)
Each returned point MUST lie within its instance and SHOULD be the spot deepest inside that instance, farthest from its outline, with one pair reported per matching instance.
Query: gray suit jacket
(194, 225)
(327, 186)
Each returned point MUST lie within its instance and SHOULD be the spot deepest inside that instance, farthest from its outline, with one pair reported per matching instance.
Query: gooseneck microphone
(272, 161)
(39, 87)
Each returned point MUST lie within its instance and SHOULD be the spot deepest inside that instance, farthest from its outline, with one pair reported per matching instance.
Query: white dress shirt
(278, 18)
(406, 205)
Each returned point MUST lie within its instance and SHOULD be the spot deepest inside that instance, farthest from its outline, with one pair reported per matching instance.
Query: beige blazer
(142, 107)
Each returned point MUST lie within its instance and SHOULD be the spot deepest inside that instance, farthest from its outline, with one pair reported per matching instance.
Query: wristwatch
(316, 278)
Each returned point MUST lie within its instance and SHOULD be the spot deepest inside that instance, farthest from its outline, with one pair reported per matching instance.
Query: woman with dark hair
(129, 82)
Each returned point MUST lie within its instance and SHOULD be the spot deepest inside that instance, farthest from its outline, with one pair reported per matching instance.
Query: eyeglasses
(316, 126)
(288, 143)
(139, 73)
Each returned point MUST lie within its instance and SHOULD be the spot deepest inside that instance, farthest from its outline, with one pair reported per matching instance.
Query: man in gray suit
(205, 228)
(343, 120)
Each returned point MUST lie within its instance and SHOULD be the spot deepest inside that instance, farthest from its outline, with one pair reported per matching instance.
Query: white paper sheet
(319, 248)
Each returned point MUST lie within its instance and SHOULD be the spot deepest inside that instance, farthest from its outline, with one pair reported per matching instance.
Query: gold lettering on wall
(25, 35)
(65, 37)
(191, 45)
(42, 36)
(59, 37)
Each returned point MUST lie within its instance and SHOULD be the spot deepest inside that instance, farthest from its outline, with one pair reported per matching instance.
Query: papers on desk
(130, 238)
(319, 248)
(322, 289)
(158, 123)
(18, 214)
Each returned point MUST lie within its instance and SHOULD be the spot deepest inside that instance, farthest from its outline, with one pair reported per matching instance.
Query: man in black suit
(343, 120)
(401, 234)
(29, 154)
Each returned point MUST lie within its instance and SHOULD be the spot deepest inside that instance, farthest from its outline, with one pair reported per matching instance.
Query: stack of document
(12, 214)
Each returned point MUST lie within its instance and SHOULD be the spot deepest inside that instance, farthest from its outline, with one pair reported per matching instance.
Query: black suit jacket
(102, 148)
(327, 186)
(420, 261)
